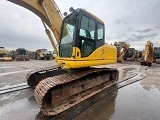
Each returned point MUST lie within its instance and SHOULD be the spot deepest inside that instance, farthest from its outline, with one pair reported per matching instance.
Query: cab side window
(100, 35)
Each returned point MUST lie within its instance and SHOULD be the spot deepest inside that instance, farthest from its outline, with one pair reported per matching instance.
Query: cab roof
(90, 14)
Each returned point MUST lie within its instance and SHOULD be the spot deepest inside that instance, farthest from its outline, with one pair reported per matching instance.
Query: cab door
(87, 36)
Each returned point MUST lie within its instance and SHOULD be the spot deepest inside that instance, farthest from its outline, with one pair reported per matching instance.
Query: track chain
(45, 85)
(30, 73)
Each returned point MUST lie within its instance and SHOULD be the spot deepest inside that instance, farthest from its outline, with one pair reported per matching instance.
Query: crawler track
(70, 114)
(13, 89)
(59, 93)
(35, 76)
(79, 108)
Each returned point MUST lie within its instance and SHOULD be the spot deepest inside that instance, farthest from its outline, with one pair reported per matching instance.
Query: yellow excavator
(122, 49)
(81, 44)
(147, 55)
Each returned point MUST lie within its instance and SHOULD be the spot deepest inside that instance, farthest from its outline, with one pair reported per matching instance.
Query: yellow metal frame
(147, 55)
(106, 54)
(49, 13)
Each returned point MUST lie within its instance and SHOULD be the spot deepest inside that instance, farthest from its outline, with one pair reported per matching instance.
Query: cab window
(87, 36)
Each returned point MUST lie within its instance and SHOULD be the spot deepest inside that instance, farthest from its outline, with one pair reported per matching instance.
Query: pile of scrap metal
(4, 55)
(157, 55)
(122, 49)
(20, 55)
(147, 55)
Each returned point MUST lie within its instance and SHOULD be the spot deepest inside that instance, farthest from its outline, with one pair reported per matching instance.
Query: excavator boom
(147, 55)
(49, 13)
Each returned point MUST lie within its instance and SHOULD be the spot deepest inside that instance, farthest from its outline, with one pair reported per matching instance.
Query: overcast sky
(131, 21)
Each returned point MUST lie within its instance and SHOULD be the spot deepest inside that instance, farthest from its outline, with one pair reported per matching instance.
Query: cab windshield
(66, 39)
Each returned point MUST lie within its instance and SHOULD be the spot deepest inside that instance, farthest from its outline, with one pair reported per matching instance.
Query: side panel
(106, 54)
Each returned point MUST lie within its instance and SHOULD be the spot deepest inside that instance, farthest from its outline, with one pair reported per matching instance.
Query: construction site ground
(137, 101)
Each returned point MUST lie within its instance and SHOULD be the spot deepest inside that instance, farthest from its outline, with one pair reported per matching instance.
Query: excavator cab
(82, 34)
(79, 35)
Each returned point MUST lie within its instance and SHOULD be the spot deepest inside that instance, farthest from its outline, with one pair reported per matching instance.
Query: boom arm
(49, 12)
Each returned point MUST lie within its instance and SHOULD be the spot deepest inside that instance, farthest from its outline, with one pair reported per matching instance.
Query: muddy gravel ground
(137, 101)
